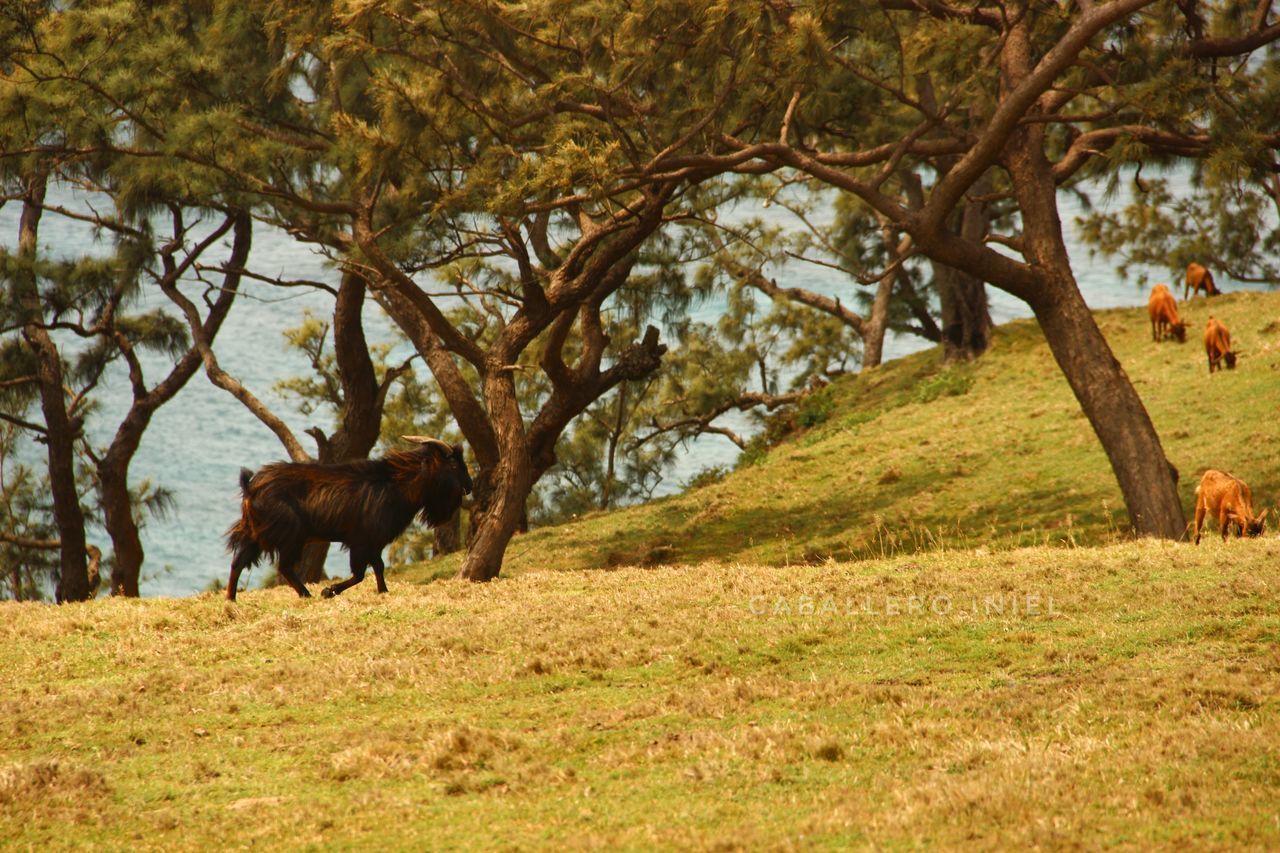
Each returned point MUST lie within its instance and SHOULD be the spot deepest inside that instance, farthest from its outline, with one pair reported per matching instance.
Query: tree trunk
(73, 584)
(966, 319)
(1147, 480)
(502, 492)
(113, 467)
(362, 403)
(497, 517)
(877, 322)
(447, 537)
(122, 527)
(966, 322)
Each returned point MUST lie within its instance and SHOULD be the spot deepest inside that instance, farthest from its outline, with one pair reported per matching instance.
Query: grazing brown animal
(1162, 308)
(1199, 277)
(1217, 345)
(1230, 501)
(362, 504)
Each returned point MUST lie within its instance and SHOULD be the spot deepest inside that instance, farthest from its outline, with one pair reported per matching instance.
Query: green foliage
(815, 409)
(706, 477)
(1217, 225)
(26, 573)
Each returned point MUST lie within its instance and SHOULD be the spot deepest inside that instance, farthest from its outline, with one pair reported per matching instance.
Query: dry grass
(1055, 697)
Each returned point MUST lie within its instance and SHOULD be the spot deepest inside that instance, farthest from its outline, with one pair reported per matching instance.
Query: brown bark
(122, 527)
(1043, 279)
(524, 456)
(113, 467)
(447, 538)
(1106, 395)
(877, 321)
(965, 328)
(501, 493)
(362, 402)
(1147, 479)
(966, 321)
(61, 429)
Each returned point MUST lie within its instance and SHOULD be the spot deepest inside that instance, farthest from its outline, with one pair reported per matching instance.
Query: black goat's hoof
(327, 592)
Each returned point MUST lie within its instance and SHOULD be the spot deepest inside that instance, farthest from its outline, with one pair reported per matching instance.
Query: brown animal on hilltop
(362, 504)
(1199, 277)
(1217, 345)
(1162, 308)
(1230, 501)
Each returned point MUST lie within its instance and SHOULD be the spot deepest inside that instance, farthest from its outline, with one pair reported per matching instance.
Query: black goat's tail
(241, 534)
(241, 541)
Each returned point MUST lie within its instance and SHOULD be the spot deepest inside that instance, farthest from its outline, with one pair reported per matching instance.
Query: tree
(443, 162)
(350, 383)
(81, 316)
(89, 298)
(1025, 97)
(62, 424)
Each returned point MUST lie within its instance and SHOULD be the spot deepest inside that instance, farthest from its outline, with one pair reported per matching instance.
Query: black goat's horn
(426, 439)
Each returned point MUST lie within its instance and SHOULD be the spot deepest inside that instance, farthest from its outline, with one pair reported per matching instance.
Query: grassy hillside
(997, 453)
(1124, 695)
(813, 686)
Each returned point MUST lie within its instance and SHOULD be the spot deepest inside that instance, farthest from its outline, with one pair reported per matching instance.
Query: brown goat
(362, 504)
(1199, 277)
(1162, 308)
(1217, 345)
(1230, 501)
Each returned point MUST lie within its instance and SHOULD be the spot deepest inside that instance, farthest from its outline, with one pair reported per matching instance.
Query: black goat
(363, 504)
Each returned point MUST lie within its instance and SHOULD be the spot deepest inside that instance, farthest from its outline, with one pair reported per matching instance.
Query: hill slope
(913, 456)
(1051, 697)
(1125, 694)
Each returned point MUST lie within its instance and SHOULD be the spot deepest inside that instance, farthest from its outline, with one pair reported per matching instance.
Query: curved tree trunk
(876, 323)
(962, 297)
(113, 468)
(1147, 479)
(493, 526)
(501, 493)
(62, 431)
(362, 400)
(122, 527)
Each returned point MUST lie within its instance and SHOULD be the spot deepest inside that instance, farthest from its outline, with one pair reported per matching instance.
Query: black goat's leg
(245, 555)
(378, 569)
(358, 563)
(288, 559)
